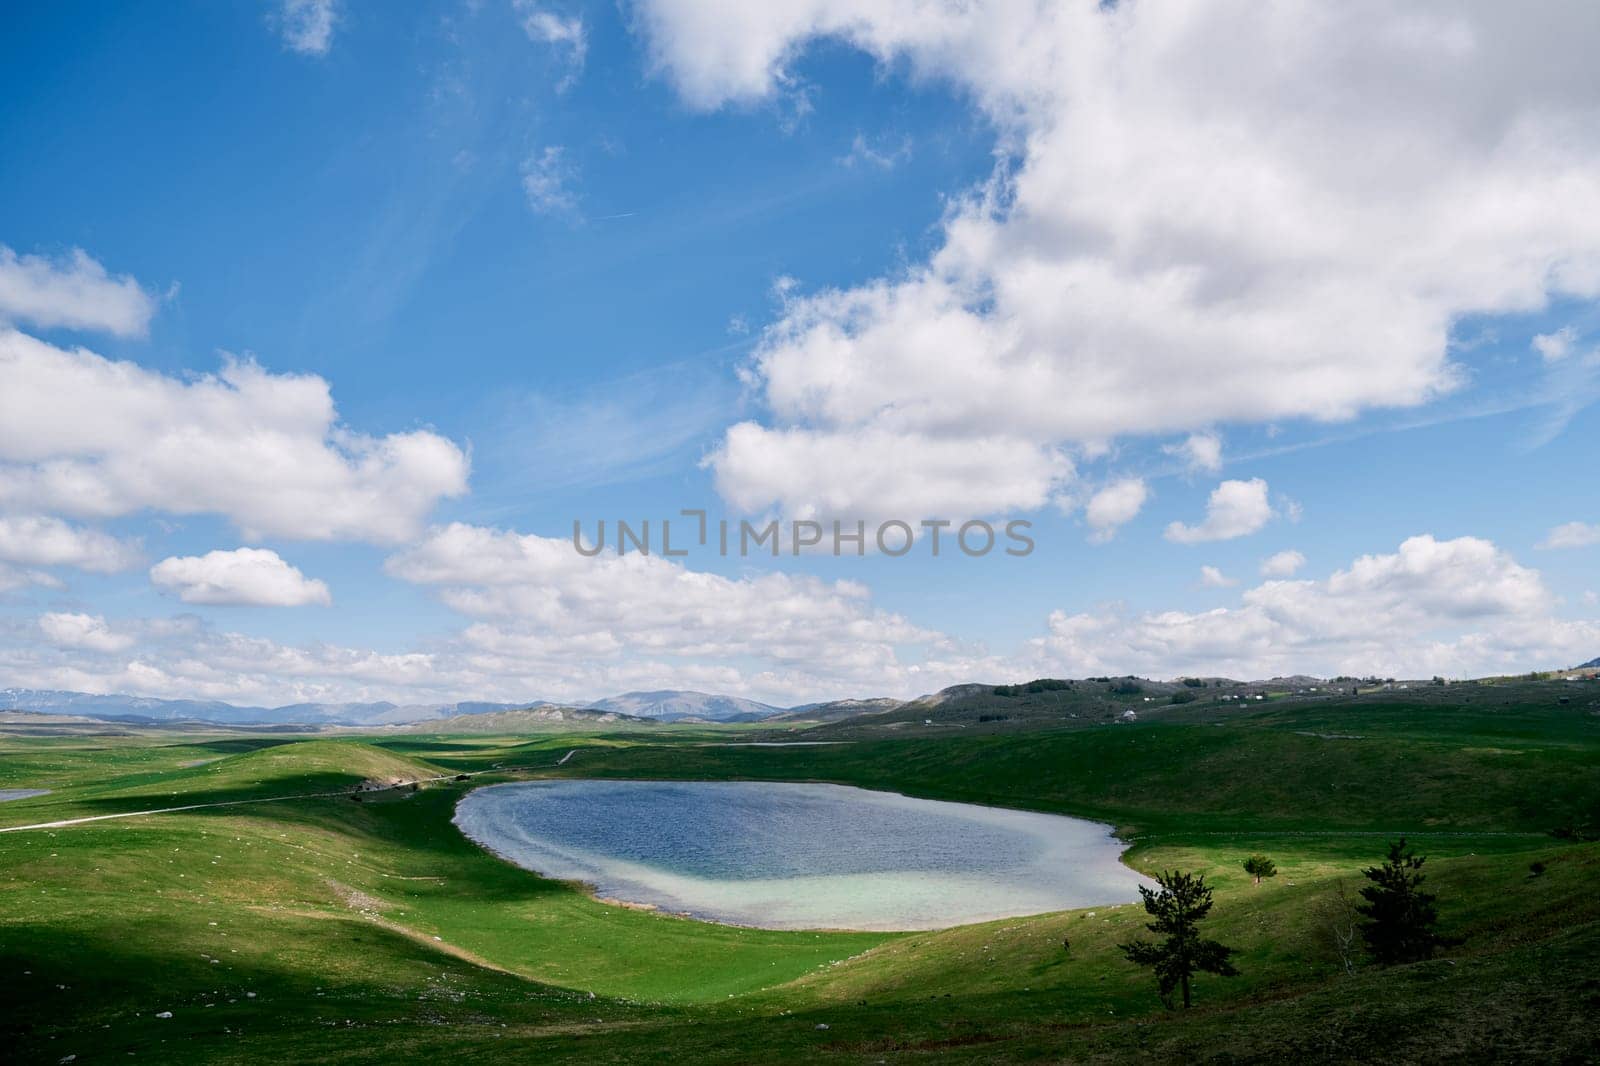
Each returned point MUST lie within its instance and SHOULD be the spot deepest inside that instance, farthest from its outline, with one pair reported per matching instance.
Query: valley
(341, 931)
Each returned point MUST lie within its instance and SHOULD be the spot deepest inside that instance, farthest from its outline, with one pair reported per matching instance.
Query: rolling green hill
(321, 929)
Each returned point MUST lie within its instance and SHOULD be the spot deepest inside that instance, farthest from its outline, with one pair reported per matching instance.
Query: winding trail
(66, 822)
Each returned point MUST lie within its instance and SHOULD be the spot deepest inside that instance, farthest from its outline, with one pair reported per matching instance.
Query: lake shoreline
(885, 863)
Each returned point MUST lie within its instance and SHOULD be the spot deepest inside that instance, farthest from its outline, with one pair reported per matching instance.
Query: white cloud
(558, 31)
(74, 292)
(84, 435)
(307, 25)
(1201, 451)
(86, 631)
(1275, 214)
(1235, 509)
(1590, 598)
(547, 623)
(1282, 564)
(543, 611)
(547, 180)
(1212, 578)
(12, 579)
(185, 658)
(543, 622)
(242, 577)
(39, 540)
(874, 473)
(1556, 346)
(1114, 506)
(1458, 607)
(1572, 535)
(639, 602)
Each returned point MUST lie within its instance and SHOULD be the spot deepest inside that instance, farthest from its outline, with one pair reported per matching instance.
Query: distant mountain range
(123, 707)
(983, 704)
(541, 719)
(661, 706)
(670, 705)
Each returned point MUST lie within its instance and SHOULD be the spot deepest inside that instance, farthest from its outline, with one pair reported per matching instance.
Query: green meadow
(297, 924)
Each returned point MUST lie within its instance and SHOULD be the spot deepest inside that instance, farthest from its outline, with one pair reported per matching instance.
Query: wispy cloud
(881, 154)
(564, 33)
(547, 178)
(628, 428)
(307, 25)
(1572, 535)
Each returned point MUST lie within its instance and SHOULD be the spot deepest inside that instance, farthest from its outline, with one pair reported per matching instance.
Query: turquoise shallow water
(795, 856)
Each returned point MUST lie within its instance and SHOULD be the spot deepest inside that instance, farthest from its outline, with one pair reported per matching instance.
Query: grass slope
(374, 932)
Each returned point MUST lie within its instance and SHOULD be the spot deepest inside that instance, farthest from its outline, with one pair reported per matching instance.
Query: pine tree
(1178, 909)
(1259, 866)
(1399, 915)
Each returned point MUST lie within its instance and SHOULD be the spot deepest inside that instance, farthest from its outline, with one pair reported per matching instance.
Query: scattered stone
(164, 1014)
(822, 1025)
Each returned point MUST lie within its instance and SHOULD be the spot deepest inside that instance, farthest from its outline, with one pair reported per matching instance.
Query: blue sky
(812, 260)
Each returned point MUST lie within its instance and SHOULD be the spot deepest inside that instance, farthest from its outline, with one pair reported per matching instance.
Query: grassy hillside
(373, 932)
(220, 772)
(1366, 765)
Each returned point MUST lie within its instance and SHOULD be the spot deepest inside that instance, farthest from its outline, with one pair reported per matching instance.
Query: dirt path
(66, 822)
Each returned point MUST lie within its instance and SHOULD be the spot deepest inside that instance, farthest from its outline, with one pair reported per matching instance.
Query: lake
(21, 793)
(799, 856)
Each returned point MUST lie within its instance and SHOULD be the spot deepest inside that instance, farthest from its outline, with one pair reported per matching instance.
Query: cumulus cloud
(253, 577)
(87, 631)
(1276, 213)
(547, 179)
(538, 600)
(1235, 509)
(1556, 346)
(875, 473)
(544, 622)
(74, 292)
(88, 436)
(1458, 607)
(40, 540)
(184, 657)
(1282, 564)
(1213, 578)
(1201, 452)
(1113, 506)
(1572, 535)
(307, 25)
